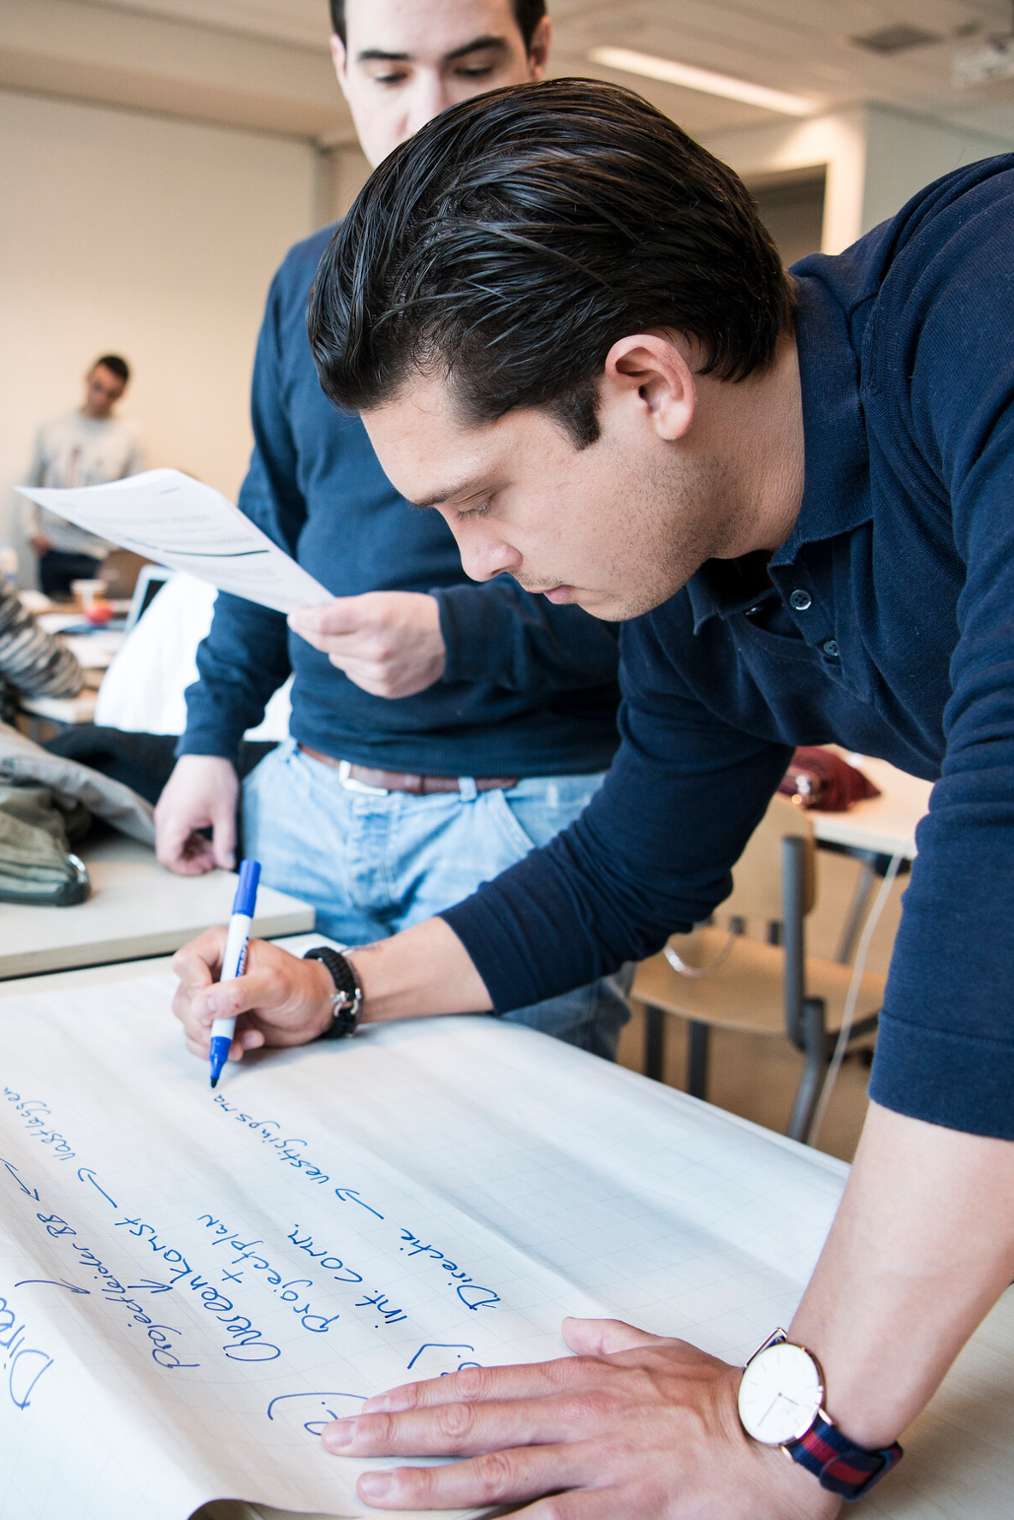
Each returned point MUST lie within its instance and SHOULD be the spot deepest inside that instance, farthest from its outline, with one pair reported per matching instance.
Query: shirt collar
(836, 462)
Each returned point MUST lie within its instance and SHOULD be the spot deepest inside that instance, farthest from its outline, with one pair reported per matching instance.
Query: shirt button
(800, 600)
(830, 648)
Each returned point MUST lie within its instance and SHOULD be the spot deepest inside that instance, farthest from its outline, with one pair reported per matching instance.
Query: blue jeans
(372, 866)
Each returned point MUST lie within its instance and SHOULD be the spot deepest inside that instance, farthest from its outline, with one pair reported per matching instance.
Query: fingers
(328, 620)
(197, 964)
(246, 1040)
(180, 850)
(498, 1477)
(261, 991)
(604, 1337)
(223, 836)
(527, 1381)
(196, 967)
(461, 1429)
(577, 1505)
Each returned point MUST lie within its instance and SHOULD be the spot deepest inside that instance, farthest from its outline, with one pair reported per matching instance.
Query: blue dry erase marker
(234, 959)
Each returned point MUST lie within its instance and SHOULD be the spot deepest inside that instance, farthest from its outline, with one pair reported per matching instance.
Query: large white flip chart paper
(192, 1283)
(187, 525)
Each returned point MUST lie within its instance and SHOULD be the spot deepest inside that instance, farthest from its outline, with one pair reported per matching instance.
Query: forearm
(424, 970)
(921, 1248)
(241, 662)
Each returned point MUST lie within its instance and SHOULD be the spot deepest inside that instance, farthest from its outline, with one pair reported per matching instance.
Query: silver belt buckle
(349, 782)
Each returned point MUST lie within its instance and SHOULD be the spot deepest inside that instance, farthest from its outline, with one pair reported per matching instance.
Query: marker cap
(246, 888)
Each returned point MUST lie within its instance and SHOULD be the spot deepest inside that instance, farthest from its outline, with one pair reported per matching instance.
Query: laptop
(149, 583)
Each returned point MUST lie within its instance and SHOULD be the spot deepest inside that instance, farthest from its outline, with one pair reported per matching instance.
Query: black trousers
(142, 761)
(58, 567)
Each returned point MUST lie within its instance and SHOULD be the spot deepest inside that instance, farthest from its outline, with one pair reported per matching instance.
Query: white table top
(79, 709)
(702, 1176)
(886, 823)
(136, 908)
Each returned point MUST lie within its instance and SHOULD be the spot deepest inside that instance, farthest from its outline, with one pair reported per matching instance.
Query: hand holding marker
(234, 959)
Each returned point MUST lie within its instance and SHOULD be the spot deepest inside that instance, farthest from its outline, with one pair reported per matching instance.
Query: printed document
(170, 518)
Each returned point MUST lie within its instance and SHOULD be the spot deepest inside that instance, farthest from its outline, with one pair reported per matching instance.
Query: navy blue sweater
(529, 689)
(885, 622)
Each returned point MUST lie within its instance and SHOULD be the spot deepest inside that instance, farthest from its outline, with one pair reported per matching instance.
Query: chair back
(774, 888)
(758, 876)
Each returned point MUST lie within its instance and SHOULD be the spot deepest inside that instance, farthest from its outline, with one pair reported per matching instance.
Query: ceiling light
(690, 78)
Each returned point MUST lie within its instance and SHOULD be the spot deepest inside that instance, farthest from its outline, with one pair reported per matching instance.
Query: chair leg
(815, 1052)
(654, 1043)
(697, 1059)
(861, 896)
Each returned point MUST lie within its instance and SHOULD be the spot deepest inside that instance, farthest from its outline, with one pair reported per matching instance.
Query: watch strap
(839, 1464)
(347, 1002)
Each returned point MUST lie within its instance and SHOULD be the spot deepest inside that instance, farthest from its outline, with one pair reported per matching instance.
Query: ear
(538, 48)
(655, 371)
(338, 58)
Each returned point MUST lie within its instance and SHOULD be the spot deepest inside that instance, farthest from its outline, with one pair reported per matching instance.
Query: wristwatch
(781, 1396)
(347, 1000)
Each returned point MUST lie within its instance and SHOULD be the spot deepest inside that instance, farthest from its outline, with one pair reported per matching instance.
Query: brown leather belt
(404, 781)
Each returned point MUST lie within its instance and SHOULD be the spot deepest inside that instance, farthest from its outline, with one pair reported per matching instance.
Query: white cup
(87, 593)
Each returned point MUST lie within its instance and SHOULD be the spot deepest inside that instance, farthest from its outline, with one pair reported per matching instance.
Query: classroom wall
(345, 172)
(792, 211)
(833, 144)
(874, 158)
(904, 153)
(151, 236)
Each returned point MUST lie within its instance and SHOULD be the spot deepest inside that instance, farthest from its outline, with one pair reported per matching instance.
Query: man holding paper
(438, 729)
(797, 489)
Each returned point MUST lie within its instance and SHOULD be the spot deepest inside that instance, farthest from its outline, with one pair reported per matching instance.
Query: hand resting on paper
(633, 1425)
(295, 996)
(387, 642)
(202, 792)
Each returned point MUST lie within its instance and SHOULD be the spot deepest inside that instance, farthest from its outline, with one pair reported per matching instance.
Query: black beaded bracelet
(347, 1002)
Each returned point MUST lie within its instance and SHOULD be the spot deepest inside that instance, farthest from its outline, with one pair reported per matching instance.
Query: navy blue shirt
(528, 689)
(887, 625)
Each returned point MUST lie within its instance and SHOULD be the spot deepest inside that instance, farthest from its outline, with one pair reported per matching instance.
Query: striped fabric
(841, 1466)
(31, 661)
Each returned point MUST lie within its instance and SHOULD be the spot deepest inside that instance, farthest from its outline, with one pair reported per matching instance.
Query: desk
(136, 908)
(874, 831)
(883, 825)
(62, 710)
(693, 1185)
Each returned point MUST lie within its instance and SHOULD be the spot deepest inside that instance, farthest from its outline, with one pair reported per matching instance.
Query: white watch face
(780, 1394)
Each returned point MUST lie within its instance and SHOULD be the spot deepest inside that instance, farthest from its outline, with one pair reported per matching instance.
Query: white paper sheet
(182, 523)
(424, 1196)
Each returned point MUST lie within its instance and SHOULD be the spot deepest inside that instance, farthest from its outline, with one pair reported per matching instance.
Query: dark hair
(527, 13)
(113, 362)
(515, 238)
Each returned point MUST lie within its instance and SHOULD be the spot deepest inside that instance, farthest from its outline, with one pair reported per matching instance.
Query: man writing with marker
(797, 491)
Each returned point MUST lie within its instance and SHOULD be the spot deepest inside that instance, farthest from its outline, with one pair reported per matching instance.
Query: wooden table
(136, 908)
